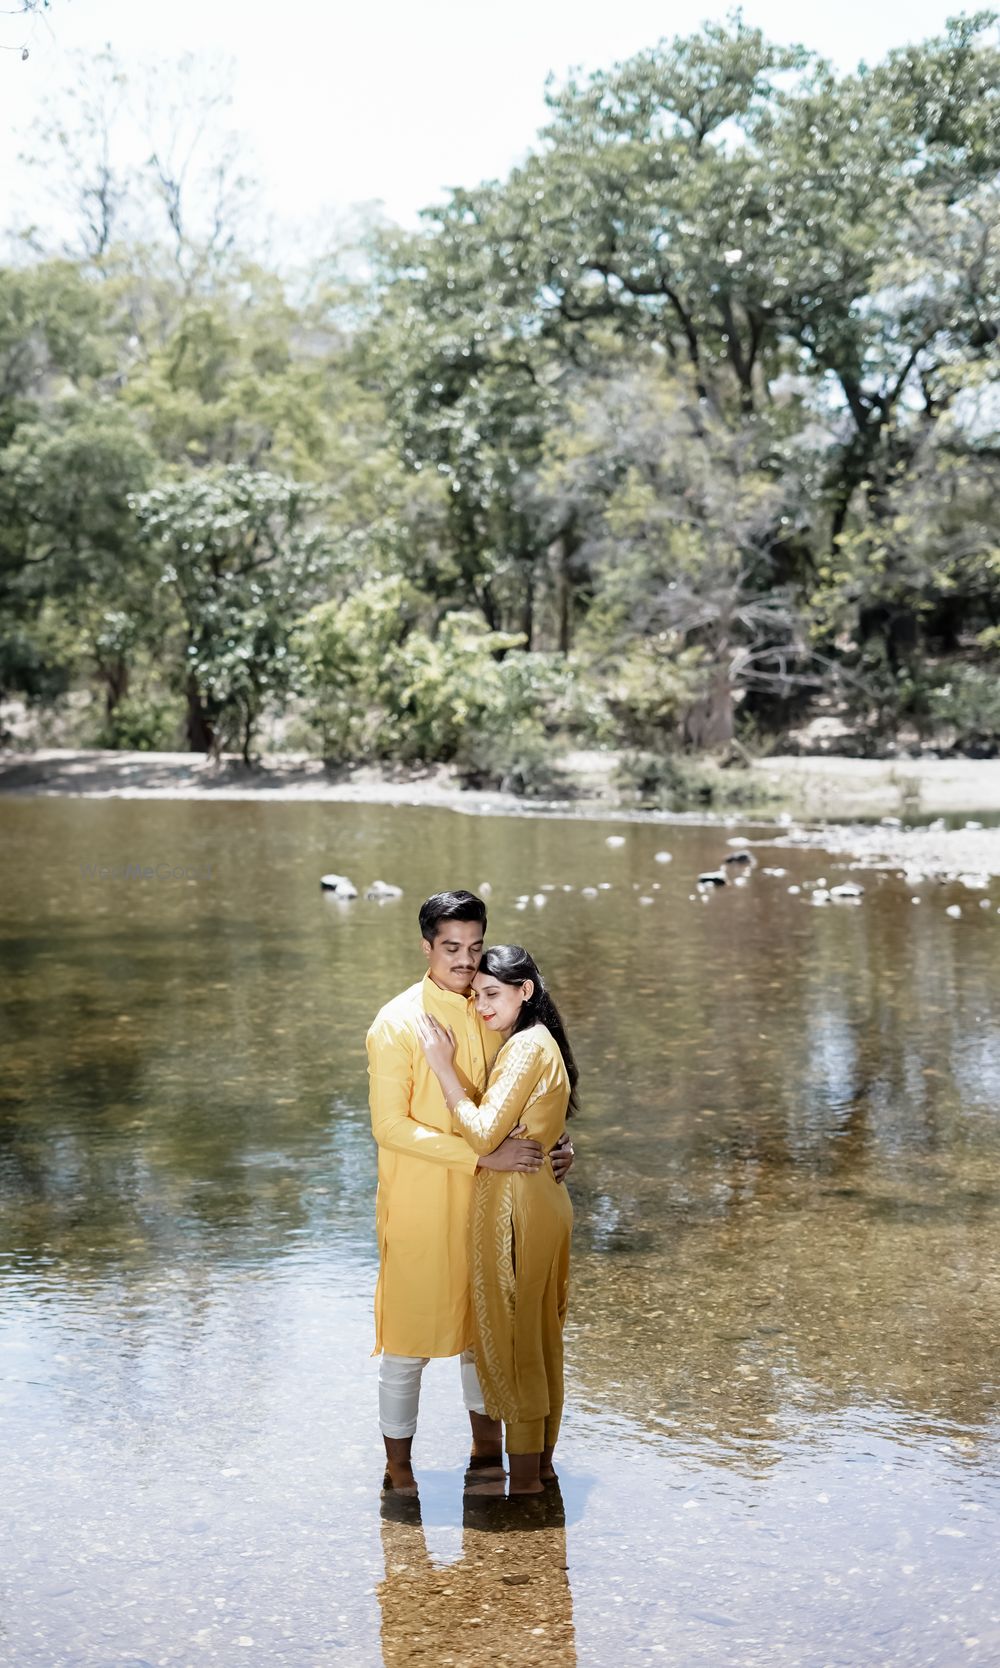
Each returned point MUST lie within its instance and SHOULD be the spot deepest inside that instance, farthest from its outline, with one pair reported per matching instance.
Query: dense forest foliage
(682, 433)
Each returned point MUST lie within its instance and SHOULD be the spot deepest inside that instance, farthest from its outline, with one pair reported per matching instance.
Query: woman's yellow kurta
(519, 1243)
(423, 1303)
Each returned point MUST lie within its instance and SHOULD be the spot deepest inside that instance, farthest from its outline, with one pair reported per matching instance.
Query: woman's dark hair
(512, 966)
(450, 906)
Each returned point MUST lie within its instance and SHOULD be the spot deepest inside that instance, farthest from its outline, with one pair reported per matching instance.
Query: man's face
(453, 958)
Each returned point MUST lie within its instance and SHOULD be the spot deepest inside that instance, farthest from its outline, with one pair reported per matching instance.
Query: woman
(521, 1222)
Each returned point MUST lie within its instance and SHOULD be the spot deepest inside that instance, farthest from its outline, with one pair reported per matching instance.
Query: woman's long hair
(513, 966)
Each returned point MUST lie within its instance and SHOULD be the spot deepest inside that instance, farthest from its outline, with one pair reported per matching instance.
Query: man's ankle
(398, 1452)
(487, 1436)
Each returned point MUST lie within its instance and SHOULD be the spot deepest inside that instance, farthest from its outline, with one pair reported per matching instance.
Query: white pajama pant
(399, 1390)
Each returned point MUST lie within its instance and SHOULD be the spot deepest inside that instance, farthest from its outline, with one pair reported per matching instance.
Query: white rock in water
(915, 900)
(567, 888)
(485, 889)
(380, 890)
(974, 825)
(985, 903)
(588, 891)
(614, 841)
(974, 883)
(778, 874)
(820, 896)
(339, 885)
(547, 886)
(604, 886)
(521, 904)
(539, 900)
(647, 900)
(663, 857)
(955, 911)
(850, 889)
(793, 891)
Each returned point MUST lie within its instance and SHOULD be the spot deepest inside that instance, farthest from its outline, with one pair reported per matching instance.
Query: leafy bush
(967, 700)
(146, 723)
(381, 686)
(671, 782)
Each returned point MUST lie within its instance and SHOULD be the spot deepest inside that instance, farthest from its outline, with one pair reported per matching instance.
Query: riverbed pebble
(339, 885)
(614, 841)
(955, 911)
(663, 857)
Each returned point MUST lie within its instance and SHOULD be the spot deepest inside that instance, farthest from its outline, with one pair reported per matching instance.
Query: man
(423, 1303)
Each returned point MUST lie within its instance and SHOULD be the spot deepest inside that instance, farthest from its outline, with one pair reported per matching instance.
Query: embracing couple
(472, 1080)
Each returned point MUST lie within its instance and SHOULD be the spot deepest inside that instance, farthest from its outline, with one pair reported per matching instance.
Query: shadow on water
(781, 1440)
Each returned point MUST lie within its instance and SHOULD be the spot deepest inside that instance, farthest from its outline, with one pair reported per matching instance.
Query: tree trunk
(116, 679)
(561, 552)
(710, 721)
(528, 609)
(200, 733)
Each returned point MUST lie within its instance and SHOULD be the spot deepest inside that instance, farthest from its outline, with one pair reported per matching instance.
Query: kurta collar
(448, 998)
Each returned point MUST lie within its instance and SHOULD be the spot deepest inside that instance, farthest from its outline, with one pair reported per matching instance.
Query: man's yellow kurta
(423, 1302)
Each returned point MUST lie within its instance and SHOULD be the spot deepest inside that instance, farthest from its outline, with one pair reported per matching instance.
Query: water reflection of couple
(472, 1079)
(505, 1599)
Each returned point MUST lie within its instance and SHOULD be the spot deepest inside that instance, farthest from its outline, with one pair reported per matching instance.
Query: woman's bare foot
(546, 1471)
(524, 1478)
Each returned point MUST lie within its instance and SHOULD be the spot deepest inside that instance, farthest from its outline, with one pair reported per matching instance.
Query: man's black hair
(450, 906)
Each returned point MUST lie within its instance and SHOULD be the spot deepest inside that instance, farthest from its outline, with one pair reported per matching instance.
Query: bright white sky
(344, 103)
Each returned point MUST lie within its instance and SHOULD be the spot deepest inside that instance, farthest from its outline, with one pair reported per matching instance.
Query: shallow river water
(782, 1438)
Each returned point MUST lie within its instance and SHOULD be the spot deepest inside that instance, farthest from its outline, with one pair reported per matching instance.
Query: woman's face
(497, 1004)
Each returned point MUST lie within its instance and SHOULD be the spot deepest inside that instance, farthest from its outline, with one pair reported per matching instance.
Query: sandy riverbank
(809, 790)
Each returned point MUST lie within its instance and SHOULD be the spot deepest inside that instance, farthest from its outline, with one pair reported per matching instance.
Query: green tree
(240, 554)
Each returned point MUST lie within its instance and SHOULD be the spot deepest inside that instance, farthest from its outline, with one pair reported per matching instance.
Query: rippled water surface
(781, 1443)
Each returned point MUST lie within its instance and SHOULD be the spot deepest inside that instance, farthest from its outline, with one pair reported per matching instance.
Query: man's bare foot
(398, 1469)
(546, 1471)
(486, 1467)
(478, 1484)
(399, 1479)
